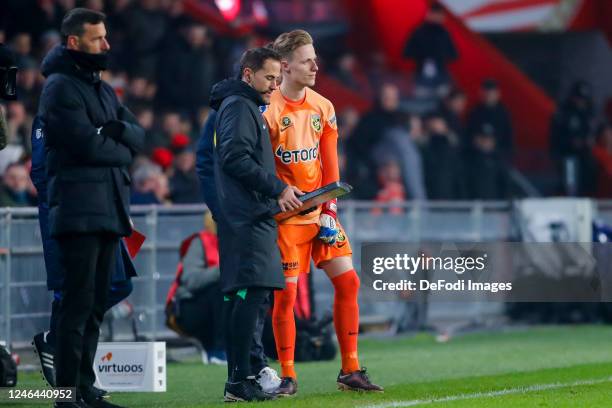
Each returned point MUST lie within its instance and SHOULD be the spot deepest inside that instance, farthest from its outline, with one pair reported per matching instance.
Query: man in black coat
(491, 111)
(91, 139)
(247, 189)
(432, 48)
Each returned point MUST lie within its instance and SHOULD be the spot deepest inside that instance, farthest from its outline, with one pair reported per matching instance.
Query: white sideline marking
(508, 391)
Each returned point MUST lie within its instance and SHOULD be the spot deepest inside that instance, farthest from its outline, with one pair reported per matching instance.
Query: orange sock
(283, 324)
(346, 318)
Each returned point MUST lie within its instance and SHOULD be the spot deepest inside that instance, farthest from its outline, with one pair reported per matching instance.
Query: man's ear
(247, 75)
(285, 66)
(72, 42)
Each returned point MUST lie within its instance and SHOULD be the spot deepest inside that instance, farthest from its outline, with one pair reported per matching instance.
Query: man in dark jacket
(121, 284)
(432, 48)
(247, 189)
(571, 139)
(265, 375)
(491, 111)
(90, 141)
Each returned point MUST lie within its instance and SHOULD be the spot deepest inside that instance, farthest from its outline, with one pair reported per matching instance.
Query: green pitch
(538, 367)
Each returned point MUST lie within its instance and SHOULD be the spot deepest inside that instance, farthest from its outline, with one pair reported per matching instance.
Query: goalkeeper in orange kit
(304, 135)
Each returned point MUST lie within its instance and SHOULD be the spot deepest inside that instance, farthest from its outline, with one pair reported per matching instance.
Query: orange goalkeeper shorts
(298, 243)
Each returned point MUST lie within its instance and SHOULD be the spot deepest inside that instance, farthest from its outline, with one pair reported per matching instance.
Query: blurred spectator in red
(14, 189)
(444, 175)
(184, 182)
(432, 47)
(453, 109)
(150, 185)
(349, 73)
(188, 69)
(602, 152)
(571, 139)
(491, 110)
(163, 157)
(398, 145)
(391, 186)
(368, 133)
(486, 173)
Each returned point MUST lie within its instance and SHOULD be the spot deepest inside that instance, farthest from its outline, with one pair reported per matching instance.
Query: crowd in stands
(164, 64)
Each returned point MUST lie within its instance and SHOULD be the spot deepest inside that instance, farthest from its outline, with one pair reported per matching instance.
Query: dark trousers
(118, 291)
(258, 356)
(241, 315)
(202, 317)
(88, 261)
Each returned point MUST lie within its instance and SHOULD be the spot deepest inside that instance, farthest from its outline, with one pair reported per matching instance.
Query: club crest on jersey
(285, 123)
(315, 122)
(298, 155)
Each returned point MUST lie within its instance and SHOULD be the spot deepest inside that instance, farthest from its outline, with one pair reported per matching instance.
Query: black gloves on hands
(113, 129)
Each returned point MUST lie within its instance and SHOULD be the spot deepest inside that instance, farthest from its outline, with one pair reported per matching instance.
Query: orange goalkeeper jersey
(304, 138)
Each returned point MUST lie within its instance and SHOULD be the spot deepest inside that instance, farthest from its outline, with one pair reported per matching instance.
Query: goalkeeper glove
(328, 228)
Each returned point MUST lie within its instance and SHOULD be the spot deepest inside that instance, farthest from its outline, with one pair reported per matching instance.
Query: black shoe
(246, 390)
(99, 402)
(46, 354)
(93, 392)
(287, 387)
(357, 381)
(76, 404)
(99, 392)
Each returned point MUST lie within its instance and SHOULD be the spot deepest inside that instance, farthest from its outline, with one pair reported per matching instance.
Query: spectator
(28, 85)
(347, 122)
(171, 124)
(571, 139)
(144, 28)
(14, 191)
(398, 145)
(195, 307)
(348, 73)
(602, 152)
(432, 47)
(490, 110)
(391, 186)
(184, 182)
(372, 125)
(19, 125)
(444, 178)
(48, 40)
(153, 137)
(22, 46)
(185, 83)
(140, 92)
(486, 173)
(150, 185)
(453, 108)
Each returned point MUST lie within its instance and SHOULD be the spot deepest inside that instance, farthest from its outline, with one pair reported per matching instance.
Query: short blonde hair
(286, 43)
